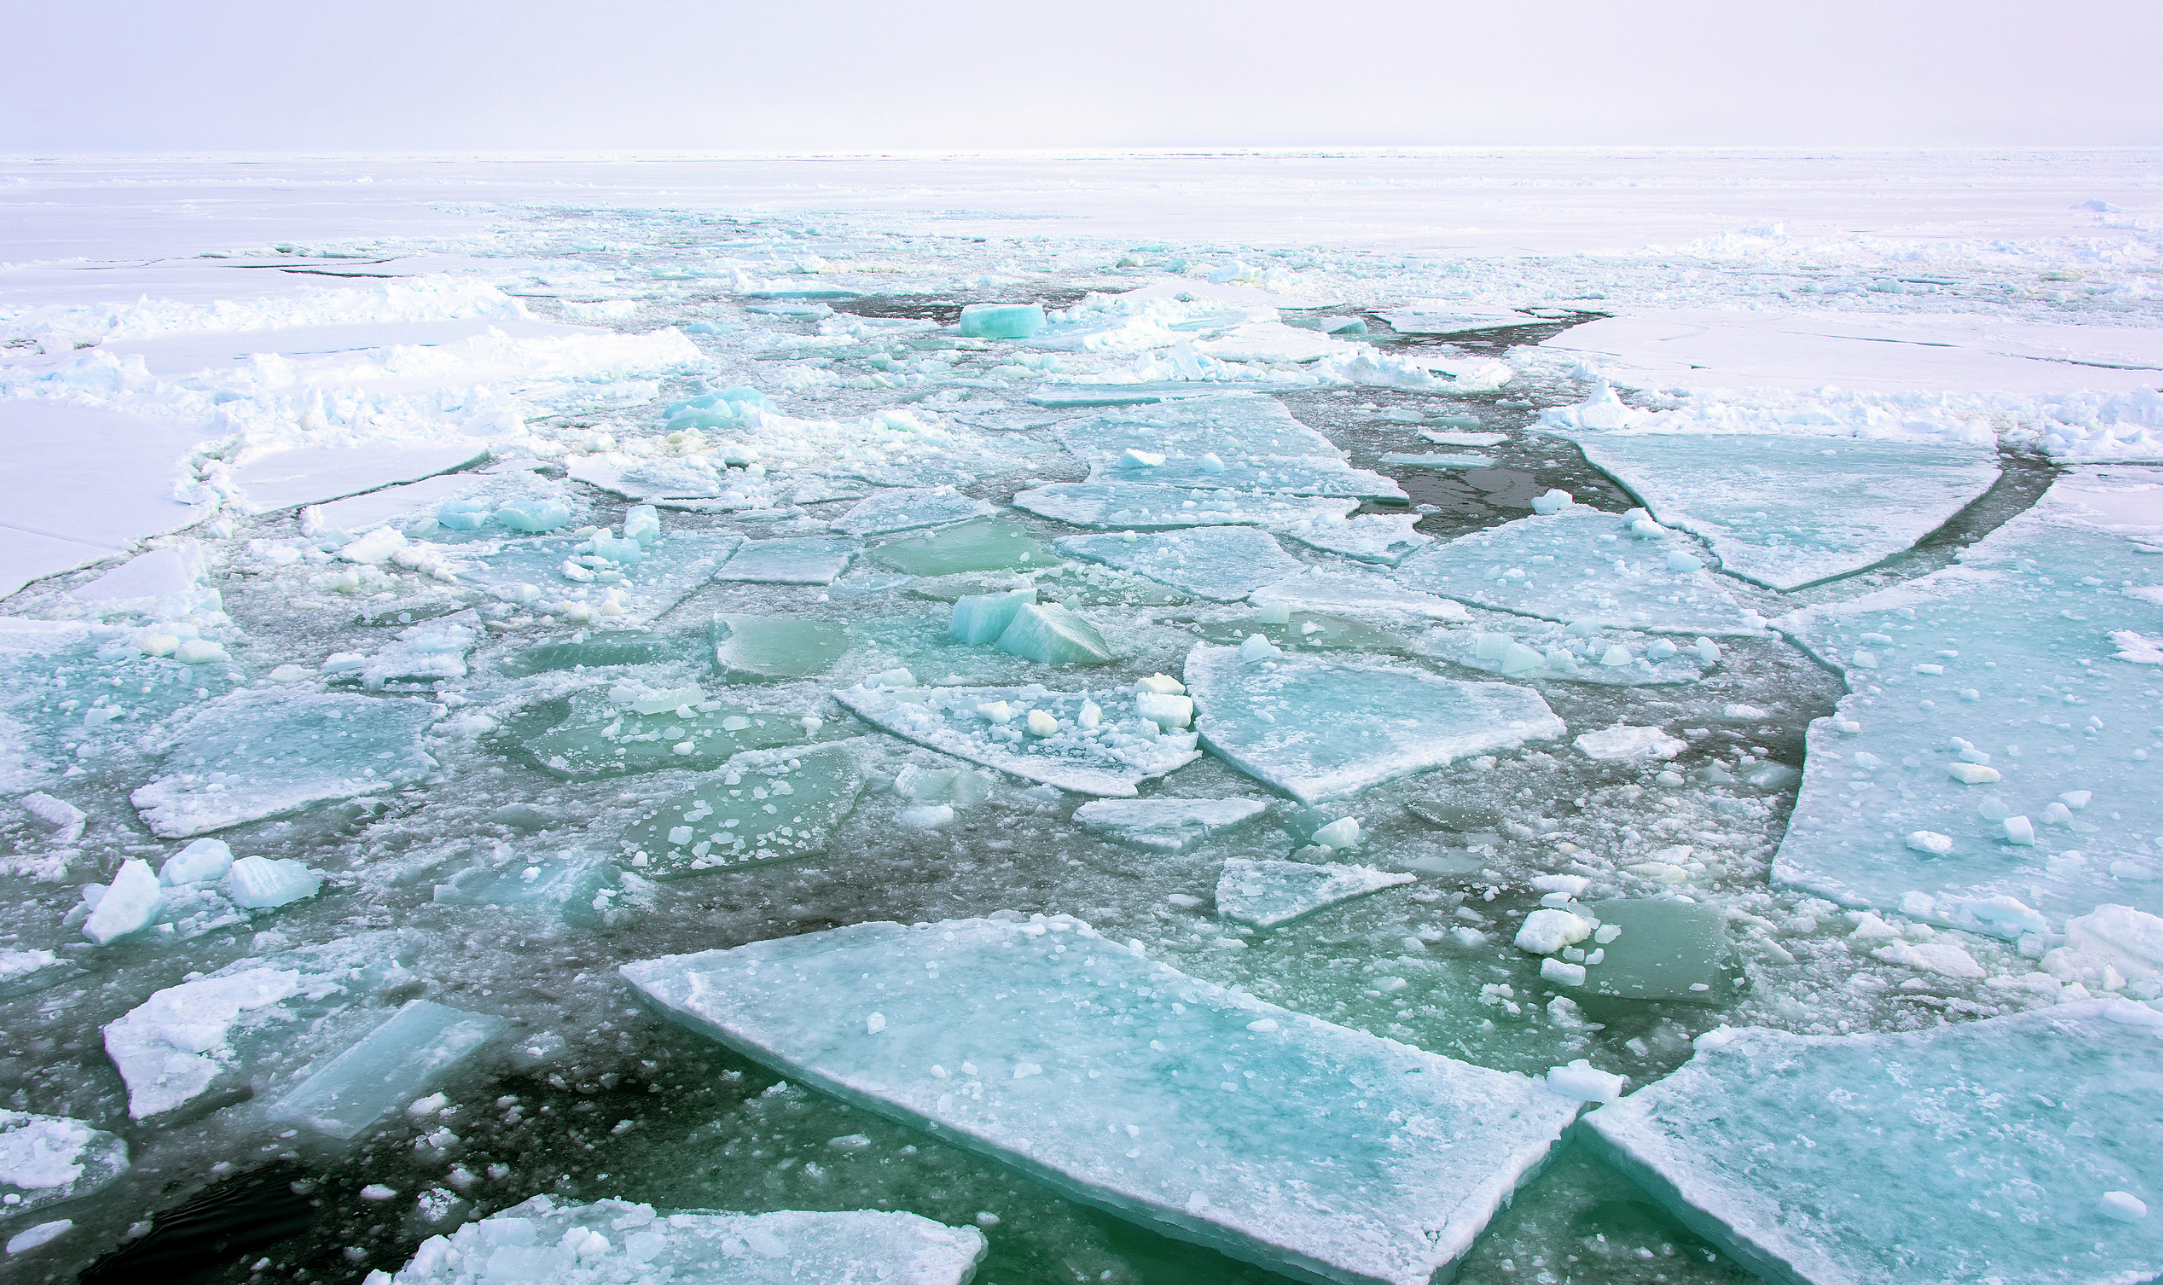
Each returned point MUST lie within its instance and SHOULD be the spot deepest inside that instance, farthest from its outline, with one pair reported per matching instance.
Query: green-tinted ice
(1651, 949)
(393, 1064)
(762, 807)
(756, 649)
(600, 736)
(989, 545)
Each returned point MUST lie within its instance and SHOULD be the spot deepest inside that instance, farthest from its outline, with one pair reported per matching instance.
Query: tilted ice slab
(46, 1159)
(1582, 564)
(1268, 893)
(256, 754)
(1977, 1151)
(909, 509)
(990, 725)
(1222, 563)
(1141, 507)
(613, 1242)
(2026, 623)
(1790, 510)
(1164, 825)
(1325, 728)
(1322, 1152)
(386, 1069)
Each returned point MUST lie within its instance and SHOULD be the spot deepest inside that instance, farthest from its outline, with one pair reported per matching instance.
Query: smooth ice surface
(805, 560)
(1142, 507)
(1221, 563)
(1001, 320)
(765, 648)
(1975, 1151)
(1534, 649)
(613, 1242)
(1050, 634)
(1265, 894)
(255, 754)
(607, 734)
(989, 725)
(1787, 509)
(2025, 624)
(1658, 949)
(909, 509)
(390, 1066)
(578, 887)
(982, 617)
(1369, 537)
(1230, 427)
(1164, 825)
(1223, 1120)
(1581, 564)
(970, 546)
(769, 805)
(1320, 728)
(46, 1159)
(1355, 593)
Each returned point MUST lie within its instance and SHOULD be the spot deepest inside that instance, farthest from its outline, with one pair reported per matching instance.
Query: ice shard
(1048, 633)
(1203, 1113)
(390, 1066)
(1091, 746)
(1221, 563)
(1164, 825)
(1266, 894)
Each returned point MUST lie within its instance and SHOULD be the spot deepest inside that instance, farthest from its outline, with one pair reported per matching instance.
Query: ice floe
(1164, 825)
(1096, 744)
(48, 1159)
(1222, 563)
(761, 806)
(1267, 894)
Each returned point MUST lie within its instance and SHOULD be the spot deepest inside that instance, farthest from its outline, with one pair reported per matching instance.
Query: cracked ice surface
(1104, 748)
(1206, 1113)
(1224, 563)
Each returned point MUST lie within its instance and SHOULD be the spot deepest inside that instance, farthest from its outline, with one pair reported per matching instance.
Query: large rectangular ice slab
(1325, 728)
(390, 1066)
(1322, 1152)
(1136, 506)
(1789, 510)
(1975, 1152)
(801, 560)
(1104, 748)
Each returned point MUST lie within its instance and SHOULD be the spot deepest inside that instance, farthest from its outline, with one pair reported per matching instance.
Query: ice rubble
(581, 579)
(1221, 563)
(1093, 746)
(255, 754)
(1786, 510)
(387, 1068)
(1164, 825)
(613, 1242)
(1967, 721)
(1268, 894)
(1201, 1112)
(1320, 728)
(766, 805)
(1369, 537)
(48, 1159)
(1979, 1150)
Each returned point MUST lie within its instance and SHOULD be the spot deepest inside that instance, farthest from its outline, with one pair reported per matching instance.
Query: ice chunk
(1321, 728)
(1660, 949)
(1266, 894)
(1050, 634)
(256, 754)
(131, 903)
(1136, 506)
(38, 1237)
(1370, 537)
(1549, 929)
(1221, 563)
(804, 560)
(1786, 510)
(1438, 460)
(1800, 1154)
(1001, 320)
(909, 509)
(1164, 825)
(265, 883)
(1129, 1089)
(532, 515)
(65, 818)
(199, 862)
(2122, 1206)
(604, 736)
(1108, 756)
(423, 653)
(766, 648)
(612, 1241)
(577, 886)
(971, 546)
(1580, 564)
(768, 805)
(2127, 939)
(982, 617)
(46, 1159)
(389, 1067)
(1624, 742)
(1580, 1080)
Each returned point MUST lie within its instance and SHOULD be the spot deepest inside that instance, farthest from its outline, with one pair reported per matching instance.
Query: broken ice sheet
(2000, 671)
(1387, 538)
(1098, 744)
(578, 887)
(1582, 564)
(535, 571)
(908, 509)
(1308, 631)
(424, 653)
(1659, 949)
(803, 560)
(755, 649)
(1979, 1150)
(1162, 824)
(1789, 510)
(388, 1067)
(970, 546)
(1515, 647)
(1230, 427)
(1265, 894)
(767, 805)
(1140, 507)
(1355, 593)
(47, 1159)
(257, 754)
(1222, 563)
(631, 728)
(597, 650)
(1321, 728)
(1127, 1103)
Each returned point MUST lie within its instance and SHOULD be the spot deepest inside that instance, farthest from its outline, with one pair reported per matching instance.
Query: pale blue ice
(1138, 506)
(802, 560)
(398, 1061)
(1222, 563)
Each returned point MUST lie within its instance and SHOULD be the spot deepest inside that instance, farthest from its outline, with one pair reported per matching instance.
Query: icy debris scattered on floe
(909, 509)
(767, 805)
(1099, 745)
(970, 546)
(967, 1028)
(803, 560)
(47, 1159)
(1978, 1150)
(1582, 564)
(1970, 718)
(611, 1242)
(1370, 537)
(1266, 894)
(1141, 507)
(1164, 825)
(568, 577)
(1307, 631)
(1321, 728)
(256, 754)
(387, 1068)
(1625, 742)
(1535, 650)
(631, 728)
(1786, 510)
(1220, 563)
(1354, 594)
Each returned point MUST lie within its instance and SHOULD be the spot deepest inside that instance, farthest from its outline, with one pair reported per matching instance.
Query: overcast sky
(847, 75)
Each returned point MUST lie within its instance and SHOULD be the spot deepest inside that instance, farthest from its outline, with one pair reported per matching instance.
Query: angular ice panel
(756, 649)
(596, 651)
(1434, 460)
(256, 754)
(770, 805)
(1355, 593)
(579, 887)
(1265, 894)
(604, 736)
(1097, 748)
(1230, 427)
(533, 515)
(1275, 474)
(199, 862)
(982, 617)
(1308, 631)
(2002, 672)
(676, 564)
(1221, 563)
(1790, 510)
(1653, 949)
(1200, 1112)
(1137, 506)
(1001, 320)
(1324, 728)
(265, 883)
(1164, 825)
(1386, 538)
(1970, 1152)
(1582, 564)
(626, 1244)
(390, 1066)
(909, 509)
(46, 1159)
(1050, 634)
(804, 560)
(972, 546)
(131, 903)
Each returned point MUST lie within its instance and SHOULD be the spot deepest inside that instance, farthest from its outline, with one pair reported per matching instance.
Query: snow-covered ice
(46, 1159)
(1140, 506)
(1222, 563)
(1267, 894)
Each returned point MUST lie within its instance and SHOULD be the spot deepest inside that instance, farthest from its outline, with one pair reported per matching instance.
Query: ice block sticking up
(1200, 1112)
(1266, 894)
(1103, 749)
(1974, 1151)
(982, 617)
(1164, 825)
(1050, 634)
(1001, 320)
(390, 1066)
